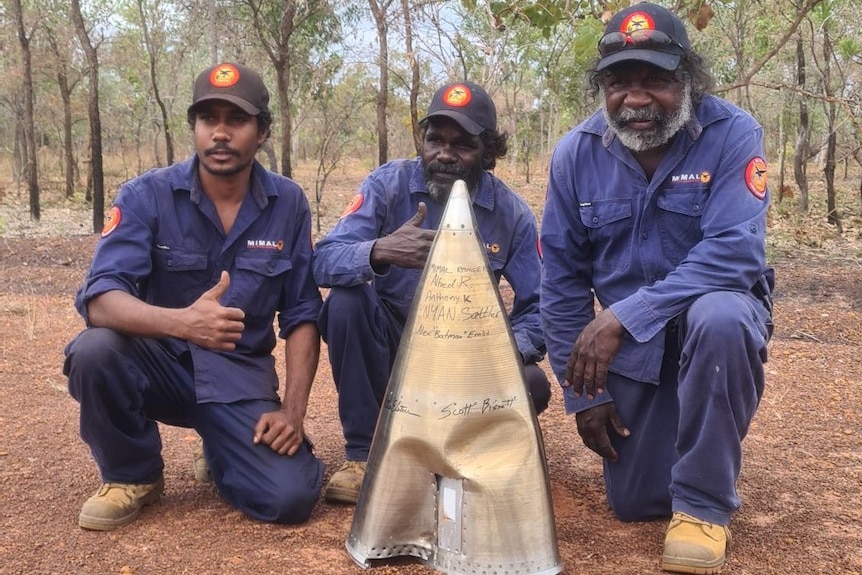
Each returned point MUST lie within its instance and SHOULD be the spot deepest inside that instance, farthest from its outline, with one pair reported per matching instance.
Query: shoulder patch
(354, 205)
(755, 177)
(112, 221)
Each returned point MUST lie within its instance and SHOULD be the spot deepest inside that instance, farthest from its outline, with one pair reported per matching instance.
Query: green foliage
(545, 15)
(848, 49)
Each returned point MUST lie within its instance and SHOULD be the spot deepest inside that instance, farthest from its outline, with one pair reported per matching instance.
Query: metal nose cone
(456, 475)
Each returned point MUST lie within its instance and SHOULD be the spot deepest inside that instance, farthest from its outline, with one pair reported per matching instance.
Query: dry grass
(792, 234)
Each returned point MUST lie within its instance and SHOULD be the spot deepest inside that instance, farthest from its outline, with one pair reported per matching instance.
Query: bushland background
(97, 92)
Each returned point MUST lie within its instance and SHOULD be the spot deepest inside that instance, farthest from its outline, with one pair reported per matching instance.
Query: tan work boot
(202, 468)
(692, 545)
(344, 485)
(116, 504)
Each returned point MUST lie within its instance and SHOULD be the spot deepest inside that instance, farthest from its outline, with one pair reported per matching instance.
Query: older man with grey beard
(656, 207)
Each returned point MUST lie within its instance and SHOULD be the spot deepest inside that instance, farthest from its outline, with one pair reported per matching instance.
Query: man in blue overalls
(373, 259)
(656, 207)
(194, 263)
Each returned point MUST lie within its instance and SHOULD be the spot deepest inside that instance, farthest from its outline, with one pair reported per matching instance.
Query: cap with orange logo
(644, 32)
(234, 83)
(467, 103)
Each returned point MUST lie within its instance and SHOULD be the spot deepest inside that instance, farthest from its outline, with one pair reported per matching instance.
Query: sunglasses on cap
(645, 39)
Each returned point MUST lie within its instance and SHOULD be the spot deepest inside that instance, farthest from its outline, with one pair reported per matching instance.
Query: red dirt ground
(800, 484)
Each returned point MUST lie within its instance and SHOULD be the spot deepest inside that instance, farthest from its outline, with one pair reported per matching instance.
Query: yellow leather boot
(692, 545)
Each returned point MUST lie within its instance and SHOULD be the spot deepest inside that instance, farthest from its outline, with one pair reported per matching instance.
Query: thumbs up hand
(419, 217)
(211, 325)
(408, 246)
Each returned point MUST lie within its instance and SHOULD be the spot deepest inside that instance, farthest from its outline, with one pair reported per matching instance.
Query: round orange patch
(354, 205)
(457, 96)
(112, 221)
(224, 76)
(755, 177)
(638, 21)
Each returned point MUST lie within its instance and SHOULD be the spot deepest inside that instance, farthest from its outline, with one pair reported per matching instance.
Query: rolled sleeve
(339, 263)
(574, 404)
(122, 259)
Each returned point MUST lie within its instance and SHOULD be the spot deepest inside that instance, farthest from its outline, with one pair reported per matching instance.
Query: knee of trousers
(719, 318)
(345, 310)
(279, 502)
(94, 352)
(93, 345)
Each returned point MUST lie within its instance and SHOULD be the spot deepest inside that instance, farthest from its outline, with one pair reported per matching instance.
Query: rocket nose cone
(458, 216)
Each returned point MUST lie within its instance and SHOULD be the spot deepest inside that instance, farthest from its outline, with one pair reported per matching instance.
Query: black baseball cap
(467, 103)
(234, 83)
(664, 47)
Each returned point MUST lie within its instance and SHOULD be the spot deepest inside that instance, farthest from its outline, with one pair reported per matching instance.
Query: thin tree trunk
(151, 53)
(30, 167)
(829, 171)
(68, 152)
(379, 11)
(96, 169)
(269, 150)
(831, 141)
(66, 97)
(800, 153)
(283, 81)
(782, 154)
(19, 153)
(213, 29)
(414, 76)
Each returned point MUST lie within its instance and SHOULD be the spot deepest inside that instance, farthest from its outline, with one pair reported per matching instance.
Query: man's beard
(440, 192)
(664, 129)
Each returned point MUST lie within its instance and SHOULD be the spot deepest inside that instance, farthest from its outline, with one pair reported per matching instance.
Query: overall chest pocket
(679, 220)
(610, 226)
(259, 281)
(179, 276)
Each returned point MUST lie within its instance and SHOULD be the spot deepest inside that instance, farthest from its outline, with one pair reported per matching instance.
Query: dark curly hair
(264, 121)
(692, 69)
(496, 143)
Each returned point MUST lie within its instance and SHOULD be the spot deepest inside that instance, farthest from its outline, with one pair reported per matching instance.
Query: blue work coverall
(679, 259)
(168, 247)
(364, 314)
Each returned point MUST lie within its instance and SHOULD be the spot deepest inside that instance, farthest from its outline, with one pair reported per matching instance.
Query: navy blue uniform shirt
(167, 247)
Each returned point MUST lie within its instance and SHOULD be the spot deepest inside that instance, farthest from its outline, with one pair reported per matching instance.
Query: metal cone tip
(458, 216)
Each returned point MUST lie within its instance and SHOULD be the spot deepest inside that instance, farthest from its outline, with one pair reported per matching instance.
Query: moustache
(437, 167)
(220, 149)
(639, 115)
